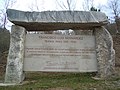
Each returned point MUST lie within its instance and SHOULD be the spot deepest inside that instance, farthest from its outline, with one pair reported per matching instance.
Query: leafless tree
(37, 5)
(5, 4)
(87, 4)
(67, 4)
(114, 7)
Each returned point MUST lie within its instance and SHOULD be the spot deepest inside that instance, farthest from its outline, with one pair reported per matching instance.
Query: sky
(52, 5)
(45, 5)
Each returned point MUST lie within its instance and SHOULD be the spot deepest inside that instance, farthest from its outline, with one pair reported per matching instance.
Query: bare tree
(114, 7)
(67, 4)
(5, 4)
(37, 5)
(87, 4)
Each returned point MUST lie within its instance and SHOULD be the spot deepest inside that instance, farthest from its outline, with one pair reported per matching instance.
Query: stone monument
(90, 49)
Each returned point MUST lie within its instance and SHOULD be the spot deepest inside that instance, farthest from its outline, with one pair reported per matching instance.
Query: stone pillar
(14, 68)
(105, 53)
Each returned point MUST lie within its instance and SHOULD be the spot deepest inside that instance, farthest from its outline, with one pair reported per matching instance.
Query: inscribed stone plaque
(60, 53)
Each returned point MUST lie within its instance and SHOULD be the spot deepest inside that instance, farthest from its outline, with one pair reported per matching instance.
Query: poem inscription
(48, 52)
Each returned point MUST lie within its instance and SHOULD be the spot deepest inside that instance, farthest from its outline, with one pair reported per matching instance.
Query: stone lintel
(14, 68)
(56, 20)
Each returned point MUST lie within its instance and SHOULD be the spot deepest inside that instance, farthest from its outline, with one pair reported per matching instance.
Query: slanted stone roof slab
(54, 20)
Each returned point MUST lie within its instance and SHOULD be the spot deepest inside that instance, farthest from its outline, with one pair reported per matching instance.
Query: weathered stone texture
(57, 16)
(57, 20)
(14, 70)
(105, 53)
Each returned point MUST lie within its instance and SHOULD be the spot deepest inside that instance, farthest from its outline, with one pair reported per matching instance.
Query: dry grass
(64, 81)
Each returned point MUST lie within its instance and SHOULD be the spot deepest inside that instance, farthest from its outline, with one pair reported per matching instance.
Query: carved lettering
(59, 52)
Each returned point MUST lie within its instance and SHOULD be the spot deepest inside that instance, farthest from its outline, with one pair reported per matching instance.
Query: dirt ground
(3, 61)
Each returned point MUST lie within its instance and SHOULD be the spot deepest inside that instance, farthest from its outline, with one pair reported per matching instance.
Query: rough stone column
(14, 68)
(105, 53)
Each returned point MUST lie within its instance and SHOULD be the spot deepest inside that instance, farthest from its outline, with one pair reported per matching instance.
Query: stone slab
(14, 67)
(105, 53)
(60, 53)
(54, 20)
